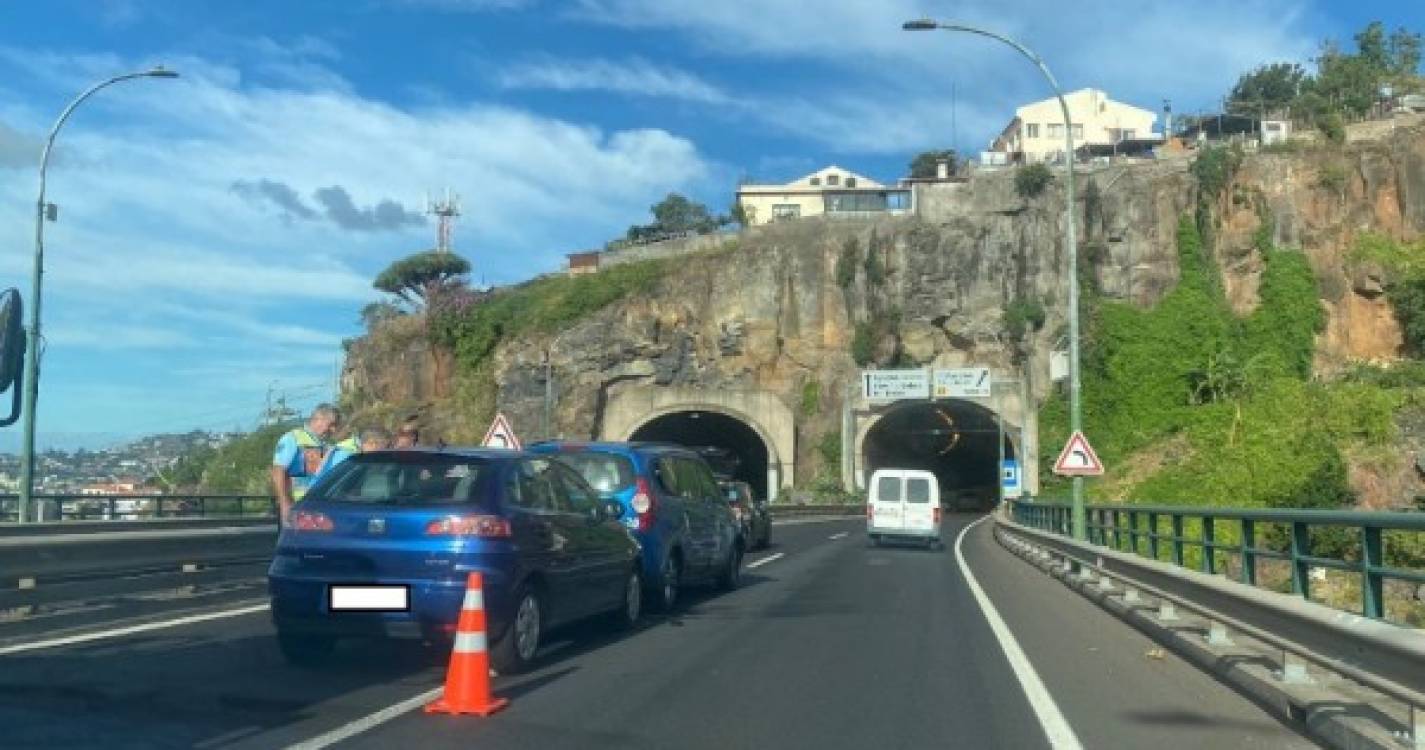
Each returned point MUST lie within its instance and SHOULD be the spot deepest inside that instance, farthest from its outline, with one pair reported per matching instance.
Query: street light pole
(32, 348)
(1071, 245)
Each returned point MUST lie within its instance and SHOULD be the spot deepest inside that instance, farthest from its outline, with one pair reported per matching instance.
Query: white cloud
(154, 253)
(634, 76)
(862, 81)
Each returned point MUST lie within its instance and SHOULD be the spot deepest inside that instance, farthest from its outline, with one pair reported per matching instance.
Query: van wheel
(874, 541)
(516, 651)
(305, 650)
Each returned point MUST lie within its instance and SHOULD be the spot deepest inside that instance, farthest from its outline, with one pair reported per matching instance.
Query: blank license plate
(369, 598)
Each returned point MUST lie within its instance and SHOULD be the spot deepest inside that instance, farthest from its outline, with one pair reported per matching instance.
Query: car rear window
(404, 478)
(917, 490)
(605, 472)
(888, 490)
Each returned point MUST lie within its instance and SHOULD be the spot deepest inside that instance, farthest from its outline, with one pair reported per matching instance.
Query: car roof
(461, 451)
(610, 445)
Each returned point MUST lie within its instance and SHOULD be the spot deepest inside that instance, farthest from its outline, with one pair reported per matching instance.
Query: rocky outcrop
(771, 314)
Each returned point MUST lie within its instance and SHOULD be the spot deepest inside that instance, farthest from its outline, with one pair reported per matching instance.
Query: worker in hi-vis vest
(299, 456)
(371, 439)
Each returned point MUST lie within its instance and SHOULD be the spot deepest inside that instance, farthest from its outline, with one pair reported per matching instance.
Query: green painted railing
(69, 507)
(1205, 533)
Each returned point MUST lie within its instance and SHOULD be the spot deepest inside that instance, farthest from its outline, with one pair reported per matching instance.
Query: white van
(903, 503)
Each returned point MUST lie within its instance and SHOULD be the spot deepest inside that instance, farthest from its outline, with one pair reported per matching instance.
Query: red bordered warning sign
(1078, 458)
(501, 435)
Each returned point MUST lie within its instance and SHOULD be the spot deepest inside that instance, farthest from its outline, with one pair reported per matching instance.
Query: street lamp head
(158, 71)
(920, 24)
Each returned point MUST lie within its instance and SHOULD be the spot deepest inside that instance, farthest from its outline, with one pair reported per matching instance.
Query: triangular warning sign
(1078, 458)
(501, 435)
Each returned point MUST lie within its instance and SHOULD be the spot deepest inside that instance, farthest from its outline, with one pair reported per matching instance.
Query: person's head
(324, 420)
(407, 436)
(374, 439)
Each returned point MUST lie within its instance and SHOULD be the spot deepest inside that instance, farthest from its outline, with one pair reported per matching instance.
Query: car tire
(305, 650)
(731, 574)
(766, 537)
(518, 649)
(873, 541)
(670, 578)
(625, 615)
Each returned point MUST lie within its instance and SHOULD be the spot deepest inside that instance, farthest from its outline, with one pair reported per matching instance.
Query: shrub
(811, 398)
(1332, 177)
(1031, 180)
(1021, 316)
(1333, 127)
(846, 263)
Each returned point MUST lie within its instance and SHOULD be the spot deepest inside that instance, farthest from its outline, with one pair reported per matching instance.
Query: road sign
(969, 382)
(1009, 477)
(1078, 459)
(501, 435)
(894, 385)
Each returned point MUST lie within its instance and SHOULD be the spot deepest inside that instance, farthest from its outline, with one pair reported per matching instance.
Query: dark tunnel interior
(742, 455)
(953, 439)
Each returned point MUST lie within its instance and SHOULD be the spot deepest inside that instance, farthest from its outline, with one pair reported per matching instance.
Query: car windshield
(405, 479)
(605, 472)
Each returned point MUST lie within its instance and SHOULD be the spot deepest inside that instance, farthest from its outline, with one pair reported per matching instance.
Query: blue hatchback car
(672, 503)
(383, 545)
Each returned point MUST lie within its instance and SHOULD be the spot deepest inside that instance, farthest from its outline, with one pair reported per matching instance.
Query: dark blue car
(673, 505)
(383, 544)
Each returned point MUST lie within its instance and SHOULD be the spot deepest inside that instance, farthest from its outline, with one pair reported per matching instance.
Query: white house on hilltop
(832, 191)
(1036, 133)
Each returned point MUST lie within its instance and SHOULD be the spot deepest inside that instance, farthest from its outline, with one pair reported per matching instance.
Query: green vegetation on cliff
(1189, 404)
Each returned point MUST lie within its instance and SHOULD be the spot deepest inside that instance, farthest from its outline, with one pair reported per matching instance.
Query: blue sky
(218, 233)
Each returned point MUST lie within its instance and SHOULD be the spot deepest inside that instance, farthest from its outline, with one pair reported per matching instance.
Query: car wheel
(669, 579)
(630, 607)
(732, 572)
(305, 650)
(516, 651)
(766, 536)
(874, 541)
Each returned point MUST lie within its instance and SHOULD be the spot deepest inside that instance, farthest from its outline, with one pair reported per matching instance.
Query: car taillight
(306, 520)
(937, 514)
(870, 511)
(643, 504)
(485, 527)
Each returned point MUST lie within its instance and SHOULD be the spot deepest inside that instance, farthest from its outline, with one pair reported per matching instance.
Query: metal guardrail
(44, 563)
(1143, 529)
(1373, 654)
(75, 507)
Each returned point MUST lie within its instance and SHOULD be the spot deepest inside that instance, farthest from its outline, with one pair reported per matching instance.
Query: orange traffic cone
(467, 684)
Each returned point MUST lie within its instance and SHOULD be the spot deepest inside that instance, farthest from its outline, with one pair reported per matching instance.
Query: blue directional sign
(1009, 477)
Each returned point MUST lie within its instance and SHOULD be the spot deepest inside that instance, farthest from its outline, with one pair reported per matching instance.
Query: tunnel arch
(953, 438)
(745, 453)
(762, 413)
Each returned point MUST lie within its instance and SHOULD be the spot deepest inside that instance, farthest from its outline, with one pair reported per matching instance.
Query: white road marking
(347, 731)
(842, 535)
(765, 560)
(118, 632)
(1056, 728)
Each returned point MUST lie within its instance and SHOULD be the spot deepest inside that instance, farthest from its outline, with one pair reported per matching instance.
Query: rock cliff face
(779, 310)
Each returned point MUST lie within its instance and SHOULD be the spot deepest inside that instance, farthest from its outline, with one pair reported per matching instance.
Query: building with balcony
(830, 191)
(1036, 134)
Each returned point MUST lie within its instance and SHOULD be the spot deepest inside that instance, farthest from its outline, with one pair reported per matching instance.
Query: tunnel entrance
(953, 439)
(730, 445)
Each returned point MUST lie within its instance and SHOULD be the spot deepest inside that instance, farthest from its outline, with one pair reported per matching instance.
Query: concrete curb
(1328, 709)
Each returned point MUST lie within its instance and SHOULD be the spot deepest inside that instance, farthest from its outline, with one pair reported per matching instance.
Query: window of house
(815, 180)
(833, 179)
(1031, 130)
(1056, 130)
(850, 182)
(1078, 132)
(1128, 134)
(898, 200)
(786, 210)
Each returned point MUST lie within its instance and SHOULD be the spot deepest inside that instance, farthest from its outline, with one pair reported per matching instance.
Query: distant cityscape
(126, 468)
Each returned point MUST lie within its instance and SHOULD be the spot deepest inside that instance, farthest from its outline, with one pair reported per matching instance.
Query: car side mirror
(12, 351)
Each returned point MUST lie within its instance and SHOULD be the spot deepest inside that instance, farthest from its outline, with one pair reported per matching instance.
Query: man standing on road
(299, 456)
(372, 439)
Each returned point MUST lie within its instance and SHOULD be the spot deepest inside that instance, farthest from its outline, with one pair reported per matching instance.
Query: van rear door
(920, 511)
(886, 506)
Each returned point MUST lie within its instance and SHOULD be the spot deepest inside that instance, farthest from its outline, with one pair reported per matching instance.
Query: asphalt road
(830, 644)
